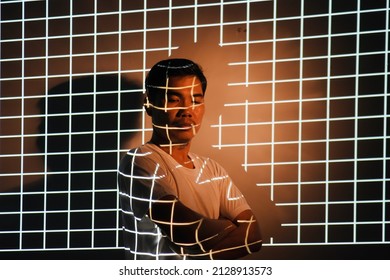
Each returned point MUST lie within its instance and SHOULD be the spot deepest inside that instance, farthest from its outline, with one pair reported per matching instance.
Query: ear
(147, 106)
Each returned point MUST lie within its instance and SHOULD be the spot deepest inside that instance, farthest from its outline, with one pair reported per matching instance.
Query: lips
(184, 125)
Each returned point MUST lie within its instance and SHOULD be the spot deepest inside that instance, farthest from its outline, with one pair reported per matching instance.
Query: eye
(173, 100)
(198, 100)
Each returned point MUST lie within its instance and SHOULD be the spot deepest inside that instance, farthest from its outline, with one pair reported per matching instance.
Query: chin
(181, 141)
(184, 137)
(177, 137)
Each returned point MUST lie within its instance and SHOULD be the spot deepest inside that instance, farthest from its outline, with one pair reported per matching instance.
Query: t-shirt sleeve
(233, 201)
(141, 181)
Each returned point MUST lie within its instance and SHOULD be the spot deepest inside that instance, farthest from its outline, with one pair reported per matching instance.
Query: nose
(185, 112)
(186, 109)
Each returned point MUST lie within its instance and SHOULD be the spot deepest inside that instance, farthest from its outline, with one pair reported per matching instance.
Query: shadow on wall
(88, 121)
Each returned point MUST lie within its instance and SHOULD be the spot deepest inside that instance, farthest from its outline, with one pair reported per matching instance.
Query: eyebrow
(172, 92)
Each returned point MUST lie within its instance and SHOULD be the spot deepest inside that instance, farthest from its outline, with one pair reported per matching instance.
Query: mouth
(179, 126)
(184, 124)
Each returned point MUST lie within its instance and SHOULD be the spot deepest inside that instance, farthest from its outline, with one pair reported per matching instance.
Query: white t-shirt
(148, 173)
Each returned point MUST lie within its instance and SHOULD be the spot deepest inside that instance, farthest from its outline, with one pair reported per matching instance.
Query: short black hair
(174, 67)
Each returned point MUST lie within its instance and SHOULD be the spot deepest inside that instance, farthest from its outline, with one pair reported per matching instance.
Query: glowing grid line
(249, 45)
(299, 179)
(385, 128)
(328, 140)
(327, 149)
(21, 142)
(118, 154)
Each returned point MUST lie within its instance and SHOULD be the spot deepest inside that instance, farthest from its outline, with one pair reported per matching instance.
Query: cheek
(200, 112)
(161, 117)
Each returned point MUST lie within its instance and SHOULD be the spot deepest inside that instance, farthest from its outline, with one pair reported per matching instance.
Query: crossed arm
(199, 237)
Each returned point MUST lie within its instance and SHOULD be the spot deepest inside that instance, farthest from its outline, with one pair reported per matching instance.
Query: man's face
(177, 114)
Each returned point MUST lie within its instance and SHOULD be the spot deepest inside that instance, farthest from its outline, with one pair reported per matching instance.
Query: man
(176, 204)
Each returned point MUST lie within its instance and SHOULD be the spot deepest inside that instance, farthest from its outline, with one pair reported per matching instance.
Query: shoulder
(134, 154)
(143, 157)
(142, 152)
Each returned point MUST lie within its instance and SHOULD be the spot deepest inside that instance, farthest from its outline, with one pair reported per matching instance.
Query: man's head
(175, 100)
(156, 80)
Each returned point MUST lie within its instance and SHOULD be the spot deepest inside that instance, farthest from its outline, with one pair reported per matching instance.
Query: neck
(178, 151)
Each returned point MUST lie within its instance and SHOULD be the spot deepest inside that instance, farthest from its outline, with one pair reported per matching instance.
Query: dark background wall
(296, 112)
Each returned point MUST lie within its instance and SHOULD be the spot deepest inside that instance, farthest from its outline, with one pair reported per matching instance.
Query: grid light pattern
(321, 65)
(340, 151)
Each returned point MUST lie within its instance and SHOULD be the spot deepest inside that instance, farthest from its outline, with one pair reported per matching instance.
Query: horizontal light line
(232, 84)
(182, 7)
(122, 12)
(46, 249)
(307, 79)
(303, 162)
(293, 142)
(65, 211)
(311, 99)
(338, 119)
(331, 243)
(322, 182)
(338, 202)
(26, 193)
(75, 94)
(60, 230)
(78, 55)
(308, 58)
(311, 141)
(124, 51)
(323, 36)
(281, 101)
(59, 172)
(93, 132)
(334, 243)
(91, 113)
(167, 28)
(336, 223)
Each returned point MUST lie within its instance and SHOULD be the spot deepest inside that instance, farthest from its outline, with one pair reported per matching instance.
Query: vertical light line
(70, 115)
(46, 89)
(329, 59)
(300, 122)
(170, 28)
(356, 122)
(220, 132)
(248, 5)
(95, 36)
(144, 66)
(246, 137)
(195, 21)
(221, 24)
(118, 154)
(47, 118)
(274, 27)
(385, 128)
(22, 131)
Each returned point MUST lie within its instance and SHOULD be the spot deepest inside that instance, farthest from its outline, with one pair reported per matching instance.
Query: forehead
(184, 83)
(189, 85)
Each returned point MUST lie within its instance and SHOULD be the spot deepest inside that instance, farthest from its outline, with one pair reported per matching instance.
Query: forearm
(243, 240)
(188, 229)
(236, 245)
(222, 239)
(198, 237)
(206, 237)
